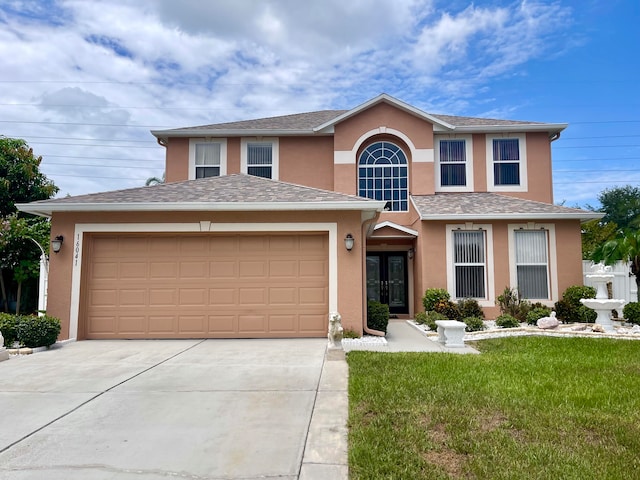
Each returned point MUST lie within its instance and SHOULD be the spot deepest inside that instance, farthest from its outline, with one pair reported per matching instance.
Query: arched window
(382, 175)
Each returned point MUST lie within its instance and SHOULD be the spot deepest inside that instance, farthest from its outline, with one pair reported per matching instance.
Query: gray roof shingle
(235, 188)
(491, 205)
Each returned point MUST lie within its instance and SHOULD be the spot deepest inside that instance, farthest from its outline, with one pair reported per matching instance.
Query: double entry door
(387, 280)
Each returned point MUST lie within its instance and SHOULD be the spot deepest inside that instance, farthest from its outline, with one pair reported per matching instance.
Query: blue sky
(84, 82)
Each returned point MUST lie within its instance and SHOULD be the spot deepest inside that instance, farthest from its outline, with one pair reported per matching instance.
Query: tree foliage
(596, 233)
(20, 178)
(20, 182)
(625, 247)
(621, 205)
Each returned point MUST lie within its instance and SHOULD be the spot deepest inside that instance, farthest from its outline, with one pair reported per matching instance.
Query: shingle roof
(484, 205)
(298, 121)
(237, 191)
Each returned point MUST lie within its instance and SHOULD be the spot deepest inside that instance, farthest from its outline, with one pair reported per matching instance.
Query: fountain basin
(603, 307)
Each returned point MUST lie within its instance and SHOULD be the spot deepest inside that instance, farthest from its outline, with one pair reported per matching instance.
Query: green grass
(527, 408)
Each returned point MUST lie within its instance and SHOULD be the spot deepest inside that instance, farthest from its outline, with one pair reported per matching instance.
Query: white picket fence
(624, 284)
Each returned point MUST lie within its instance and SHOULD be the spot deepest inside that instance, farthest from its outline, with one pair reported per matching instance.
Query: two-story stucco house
(265, 226)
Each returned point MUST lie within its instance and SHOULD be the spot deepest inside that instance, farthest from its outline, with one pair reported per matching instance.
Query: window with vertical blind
(469, 259)
(506, 163)
(259, 157)
(207, 158)
(532, 263)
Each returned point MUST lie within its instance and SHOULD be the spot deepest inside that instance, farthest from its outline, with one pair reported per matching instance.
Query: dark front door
(387, 280)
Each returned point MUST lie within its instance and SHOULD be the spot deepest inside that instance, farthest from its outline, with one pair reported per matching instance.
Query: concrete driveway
(195, 409)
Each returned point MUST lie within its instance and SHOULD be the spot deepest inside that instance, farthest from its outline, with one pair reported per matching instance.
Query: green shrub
(448, 309)
(507, 321)
(432, 296)
(569, 309)
(350, 333)
(631, 312)
(512, 303)
(474, 324)
(537, 313)
(469, 307)
(430, 319)
(421, 318)
(34, 331)
(8, 329)
(377, 316)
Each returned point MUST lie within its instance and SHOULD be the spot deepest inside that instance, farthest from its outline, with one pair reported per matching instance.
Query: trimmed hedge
(377, 316)
(569, 309)
(631, 312)
(29, 330)
(507, 321)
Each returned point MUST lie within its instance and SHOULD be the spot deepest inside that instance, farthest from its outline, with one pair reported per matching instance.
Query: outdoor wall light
(349, 241)
(411, 253)
(56, 243)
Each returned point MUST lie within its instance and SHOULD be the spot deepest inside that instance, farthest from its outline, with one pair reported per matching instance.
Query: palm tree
(154, 180)
(625, 247)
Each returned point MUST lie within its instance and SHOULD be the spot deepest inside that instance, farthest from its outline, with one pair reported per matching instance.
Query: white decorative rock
(597, 328)
(635, 329)
(546, 323)
(451, 333)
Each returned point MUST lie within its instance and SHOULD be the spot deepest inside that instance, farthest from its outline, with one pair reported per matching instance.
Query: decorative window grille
(383, 175)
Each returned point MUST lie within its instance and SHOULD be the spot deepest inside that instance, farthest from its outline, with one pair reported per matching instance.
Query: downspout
(366, 226)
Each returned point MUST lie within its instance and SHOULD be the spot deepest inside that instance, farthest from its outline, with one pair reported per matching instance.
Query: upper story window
(260, 157)
(454, 167)
(506, 163)
(207, 158)
(383, 175)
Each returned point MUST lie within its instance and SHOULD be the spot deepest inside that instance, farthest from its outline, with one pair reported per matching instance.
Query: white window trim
(192, 154)
(552, 271)
(468, 139)
(275, 154)
(489, 301)
(202, 226)
(522, 144)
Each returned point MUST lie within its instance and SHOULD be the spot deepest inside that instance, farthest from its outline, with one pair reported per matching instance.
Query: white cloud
(170, 64)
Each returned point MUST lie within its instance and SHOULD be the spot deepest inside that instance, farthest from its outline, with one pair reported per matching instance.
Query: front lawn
(527, 408)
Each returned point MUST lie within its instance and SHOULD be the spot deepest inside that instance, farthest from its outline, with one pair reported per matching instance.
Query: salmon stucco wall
(431, 259)
(349, 272)
(177, 160)
(307, 161)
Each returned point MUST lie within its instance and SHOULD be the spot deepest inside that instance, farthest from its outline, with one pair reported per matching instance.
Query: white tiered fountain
(602, 304)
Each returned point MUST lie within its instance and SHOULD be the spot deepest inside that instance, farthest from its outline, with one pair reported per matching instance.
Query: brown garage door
(206, 286)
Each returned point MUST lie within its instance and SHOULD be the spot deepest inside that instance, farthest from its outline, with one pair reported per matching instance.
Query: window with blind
(506, 161)
(260, 159)
(469, 259)
(532, 264)
(453, 160)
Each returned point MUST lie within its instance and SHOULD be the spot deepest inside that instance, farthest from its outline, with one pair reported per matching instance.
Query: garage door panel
(223, 297)
(104, 270)
(255, 324)
(252, 296)
(128, 324)
(203, 286)
(192, 324)
(163, 297)
(312, 323)
(223, 269)
(133, 297)
(162, 324)
(283, 323)
(193, 297)
(196, 270)
(222, 324)
(103, 298)
(253, 269)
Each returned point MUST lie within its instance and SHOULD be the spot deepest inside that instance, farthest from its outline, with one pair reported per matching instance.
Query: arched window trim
(383, 174)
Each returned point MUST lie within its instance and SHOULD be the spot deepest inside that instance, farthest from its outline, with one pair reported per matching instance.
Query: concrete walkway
(402, 337)
(198, 409)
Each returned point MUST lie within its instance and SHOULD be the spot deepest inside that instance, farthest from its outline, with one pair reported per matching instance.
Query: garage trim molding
(203, 226)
